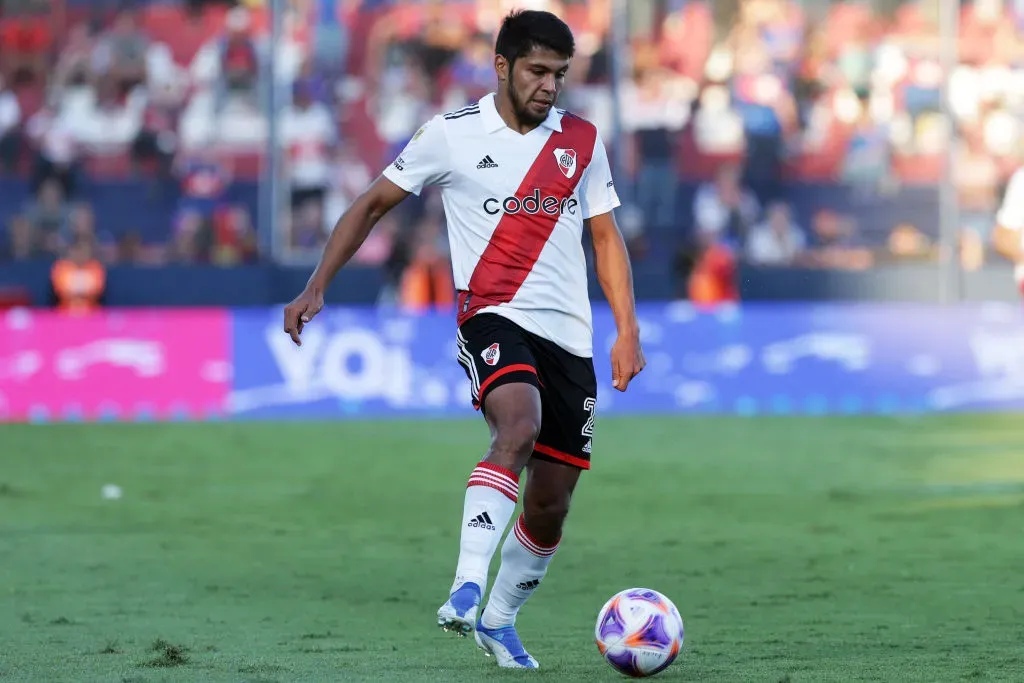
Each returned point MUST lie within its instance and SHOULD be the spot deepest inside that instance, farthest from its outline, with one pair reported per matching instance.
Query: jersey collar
(493, 121)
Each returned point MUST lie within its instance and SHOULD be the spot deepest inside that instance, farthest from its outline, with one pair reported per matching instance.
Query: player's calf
(546, 517)
(548, 496)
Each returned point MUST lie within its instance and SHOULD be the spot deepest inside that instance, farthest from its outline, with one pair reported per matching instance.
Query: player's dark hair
(523, 30)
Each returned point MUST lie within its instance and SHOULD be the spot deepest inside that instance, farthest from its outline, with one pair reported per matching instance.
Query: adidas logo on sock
(528, 585)
(482, 521)
(487, 162)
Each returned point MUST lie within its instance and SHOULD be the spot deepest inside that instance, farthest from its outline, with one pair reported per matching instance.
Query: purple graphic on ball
(623, 662)
(653, 632)
(613, 626)
(644, 594)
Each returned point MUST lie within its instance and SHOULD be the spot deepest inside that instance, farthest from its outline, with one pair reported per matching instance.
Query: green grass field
(796, 550)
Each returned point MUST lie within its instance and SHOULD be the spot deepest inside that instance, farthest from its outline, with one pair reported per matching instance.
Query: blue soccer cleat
(459, 613)
(506, 647)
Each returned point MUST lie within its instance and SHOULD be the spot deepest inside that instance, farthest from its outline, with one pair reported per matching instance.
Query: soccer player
(519, 181)
(1008, 237)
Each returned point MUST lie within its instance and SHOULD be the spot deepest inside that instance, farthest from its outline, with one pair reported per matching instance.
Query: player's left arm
(615, 276)
(598, 199)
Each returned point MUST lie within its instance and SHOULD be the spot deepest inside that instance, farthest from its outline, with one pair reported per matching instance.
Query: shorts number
(589, 405)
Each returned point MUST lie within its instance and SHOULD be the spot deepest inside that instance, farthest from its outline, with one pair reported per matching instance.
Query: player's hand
(627, 360)
(301, 311)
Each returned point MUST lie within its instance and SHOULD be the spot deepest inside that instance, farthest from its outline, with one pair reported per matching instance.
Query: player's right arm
(424, 161)
(1007, 237)
(348, 235)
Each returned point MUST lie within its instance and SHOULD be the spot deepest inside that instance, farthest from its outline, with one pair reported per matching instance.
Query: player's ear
(501, 67)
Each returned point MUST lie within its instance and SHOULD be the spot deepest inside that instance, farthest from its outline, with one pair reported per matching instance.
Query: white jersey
(1011, 214)
(515, 206)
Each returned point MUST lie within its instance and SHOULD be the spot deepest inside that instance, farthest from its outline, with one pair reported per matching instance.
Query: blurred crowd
(734, 115)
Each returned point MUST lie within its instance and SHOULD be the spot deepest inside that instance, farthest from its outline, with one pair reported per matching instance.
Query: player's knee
(517, 438)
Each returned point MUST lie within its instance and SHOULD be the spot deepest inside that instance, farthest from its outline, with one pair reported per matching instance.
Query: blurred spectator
(224, 238)
(81, 226)
(233, 241)
(308, 133)
(239, 61)
(230, 63)
(472, 70)
(10, 128)
(725, 210)
(837, 243)
(157, 140)
(907, 243)
(26, 36)
(972, 251)
(331, 40)
(686, 38)
(107, 119)
(22, 241)
(74, 64)
(48, 215)
(205, 180)
(120, 55)
(190, 241)
(766, 43)
(402, 102)
(778, 241)
(348, 176)
(306, 228)
(57, 156)
(78, 280)
(713, 278)
(866, 159)
(655, 115)
(426, 281)
(855, 57)
(130, 249)
(976, 176)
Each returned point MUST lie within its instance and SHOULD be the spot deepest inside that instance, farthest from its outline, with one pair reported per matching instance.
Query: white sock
(491, 496)
(524, 562)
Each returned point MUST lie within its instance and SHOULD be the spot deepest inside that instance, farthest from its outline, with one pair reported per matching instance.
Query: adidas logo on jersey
(528, 585)
(487, 162)
(482, 521)
(586, 446)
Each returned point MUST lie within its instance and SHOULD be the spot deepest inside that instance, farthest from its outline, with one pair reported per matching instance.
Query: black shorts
(493, 351)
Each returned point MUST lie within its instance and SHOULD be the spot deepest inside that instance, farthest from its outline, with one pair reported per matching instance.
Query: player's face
(535, 82)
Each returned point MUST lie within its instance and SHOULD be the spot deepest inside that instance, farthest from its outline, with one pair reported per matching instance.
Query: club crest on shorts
(491, 354)
(566, 159)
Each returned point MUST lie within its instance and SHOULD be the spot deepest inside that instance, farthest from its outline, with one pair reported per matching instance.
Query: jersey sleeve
(1011, 213)
(597, 189)
(424, 161)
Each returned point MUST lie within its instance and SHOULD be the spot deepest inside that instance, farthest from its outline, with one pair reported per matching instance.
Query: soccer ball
(639, 632)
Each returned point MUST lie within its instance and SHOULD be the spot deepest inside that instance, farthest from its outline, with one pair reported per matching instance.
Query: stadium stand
(793, 133)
